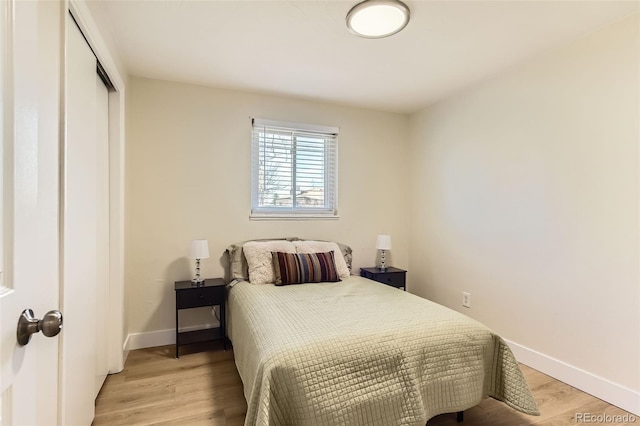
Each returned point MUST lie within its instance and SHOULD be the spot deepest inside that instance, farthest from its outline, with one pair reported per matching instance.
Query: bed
(358, 352)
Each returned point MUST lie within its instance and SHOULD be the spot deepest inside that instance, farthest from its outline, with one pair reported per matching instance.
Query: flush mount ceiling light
(378, 18)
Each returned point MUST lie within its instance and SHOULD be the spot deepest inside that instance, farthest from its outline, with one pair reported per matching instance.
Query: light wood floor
(203, 388)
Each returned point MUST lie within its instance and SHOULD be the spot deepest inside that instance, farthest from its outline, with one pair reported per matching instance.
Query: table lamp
(198, 249)
(383, 243)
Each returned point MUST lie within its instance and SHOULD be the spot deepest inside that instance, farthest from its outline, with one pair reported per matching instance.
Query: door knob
(50, 325)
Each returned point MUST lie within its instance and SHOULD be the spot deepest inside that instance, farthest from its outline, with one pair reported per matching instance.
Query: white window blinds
(293, 170)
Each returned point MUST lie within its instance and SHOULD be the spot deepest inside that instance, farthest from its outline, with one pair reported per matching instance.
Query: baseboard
(152, 339)
(125, 349)
(606, 390)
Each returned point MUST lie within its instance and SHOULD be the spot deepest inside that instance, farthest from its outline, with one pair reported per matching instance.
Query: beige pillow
(260, 261)
(238, 268)
(311, 246)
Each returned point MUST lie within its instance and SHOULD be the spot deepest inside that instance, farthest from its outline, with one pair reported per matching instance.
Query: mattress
(358, 352)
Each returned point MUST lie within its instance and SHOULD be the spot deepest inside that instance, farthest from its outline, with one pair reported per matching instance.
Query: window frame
(330, 154)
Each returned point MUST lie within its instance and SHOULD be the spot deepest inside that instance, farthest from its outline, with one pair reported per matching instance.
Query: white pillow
(260, 261)
(309, 246)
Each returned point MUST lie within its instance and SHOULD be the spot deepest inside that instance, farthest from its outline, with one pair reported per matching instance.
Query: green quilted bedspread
(359, 352)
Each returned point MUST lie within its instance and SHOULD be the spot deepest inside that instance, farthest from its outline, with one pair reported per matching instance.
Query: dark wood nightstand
(391, 276)
(211, 292)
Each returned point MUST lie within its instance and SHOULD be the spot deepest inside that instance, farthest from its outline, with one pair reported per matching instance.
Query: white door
(85, 231)
(29, 88)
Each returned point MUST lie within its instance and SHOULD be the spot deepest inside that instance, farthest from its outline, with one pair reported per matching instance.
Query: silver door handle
(50, 324)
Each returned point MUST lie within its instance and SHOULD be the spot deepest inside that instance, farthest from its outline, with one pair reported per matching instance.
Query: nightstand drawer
(197, 297)
(394, 279)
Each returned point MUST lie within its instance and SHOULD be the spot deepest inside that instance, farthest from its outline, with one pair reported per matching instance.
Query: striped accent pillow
(298, 268)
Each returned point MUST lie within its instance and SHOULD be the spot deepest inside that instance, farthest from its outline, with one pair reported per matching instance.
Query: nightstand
(211, 292)
(391, 276)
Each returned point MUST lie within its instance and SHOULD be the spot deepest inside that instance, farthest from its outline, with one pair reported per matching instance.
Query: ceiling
(302, 48)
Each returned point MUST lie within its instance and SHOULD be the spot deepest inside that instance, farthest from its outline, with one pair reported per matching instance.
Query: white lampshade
(383, 242)
(378, 18)
(199, 249)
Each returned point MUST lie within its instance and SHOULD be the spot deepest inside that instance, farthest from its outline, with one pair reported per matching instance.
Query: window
(293, 170)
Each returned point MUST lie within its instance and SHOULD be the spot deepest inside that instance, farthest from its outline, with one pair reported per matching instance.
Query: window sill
(292, 216)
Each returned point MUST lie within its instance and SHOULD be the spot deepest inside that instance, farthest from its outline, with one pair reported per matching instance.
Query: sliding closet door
(102, 232)
(85, 226)
(79, 233)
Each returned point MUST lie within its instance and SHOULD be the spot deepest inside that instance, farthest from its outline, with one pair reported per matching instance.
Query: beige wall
(525, 194)
(188, 176)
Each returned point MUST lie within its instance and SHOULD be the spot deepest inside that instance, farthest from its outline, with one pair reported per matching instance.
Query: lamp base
(197, 281)
(383, 261)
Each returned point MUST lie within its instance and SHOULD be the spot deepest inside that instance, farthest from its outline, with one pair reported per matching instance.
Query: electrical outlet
(466, 299)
